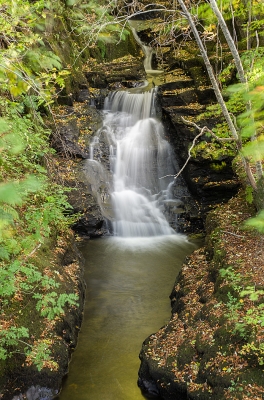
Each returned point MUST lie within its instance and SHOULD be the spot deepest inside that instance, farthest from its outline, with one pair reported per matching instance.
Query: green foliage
(226, 74)
(32, 208)
(249, 194)
(205, 13)
(254, 350)
(248, 324)
(251, 118)
(10, 338)
(26, 63)
(93, 20)
(40, 355)
(213, 150)
(231, 275)
(252, 293)
(256, 222)
(51, 305)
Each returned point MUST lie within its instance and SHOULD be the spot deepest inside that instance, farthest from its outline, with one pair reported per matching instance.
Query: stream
(127, 299)
(130, 273)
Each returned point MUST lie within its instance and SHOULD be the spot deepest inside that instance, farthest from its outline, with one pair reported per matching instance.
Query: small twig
(33, 251)
(234, 234)
(27, 344)
(206, 129)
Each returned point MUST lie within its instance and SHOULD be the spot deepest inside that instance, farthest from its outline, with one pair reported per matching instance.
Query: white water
(140, 163)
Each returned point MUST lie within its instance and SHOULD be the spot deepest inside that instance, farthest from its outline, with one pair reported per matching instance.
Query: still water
(129, 281)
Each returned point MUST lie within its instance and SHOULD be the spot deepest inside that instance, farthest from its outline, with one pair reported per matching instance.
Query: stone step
(191, 109)
(178, 84)
(178, 97)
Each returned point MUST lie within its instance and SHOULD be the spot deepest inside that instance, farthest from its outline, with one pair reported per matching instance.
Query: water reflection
(128, 287)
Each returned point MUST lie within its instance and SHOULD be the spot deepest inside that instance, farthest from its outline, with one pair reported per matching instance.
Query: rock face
(209, 177)
(184, 92)
(209, 348)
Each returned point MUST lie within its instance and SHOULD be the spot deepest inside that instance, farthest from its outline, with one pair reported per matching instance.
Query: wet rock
(124, 72)
(37, 393)
(149, 388)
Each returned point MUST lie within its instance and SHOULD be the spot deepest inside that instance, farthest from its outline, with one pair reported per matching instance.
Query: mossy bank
(212, 348)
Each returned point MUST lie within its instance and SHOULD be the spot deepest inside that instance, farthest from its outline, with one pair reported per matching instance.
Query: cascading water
(130, 170)
(139, 161)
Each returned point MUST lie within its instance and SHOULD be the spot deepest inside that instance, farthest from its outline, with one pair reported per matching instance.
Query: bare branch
(189, 152)
(234, 234)
(206, 129)
(33, 251)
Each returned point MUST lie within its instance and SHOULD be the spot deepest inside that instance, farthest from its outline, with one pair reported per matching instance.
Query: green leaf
(254, 150)
(9, 194)
(257, 222)
(70, 2)
(4, 127)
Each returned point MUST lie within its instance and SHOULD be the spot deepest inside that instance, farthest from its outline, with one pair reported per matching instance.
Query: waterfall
(131, 160)
(131, 165)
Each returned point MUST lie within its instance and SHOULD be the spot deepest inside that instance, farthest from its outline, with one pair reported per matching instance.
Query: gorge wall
(198, 354)
(184, 92)
(207, 181)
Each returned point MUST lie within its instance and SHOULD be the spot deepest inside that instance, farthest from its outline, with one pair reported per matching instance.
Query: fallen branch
(33, 251)
(234, 234)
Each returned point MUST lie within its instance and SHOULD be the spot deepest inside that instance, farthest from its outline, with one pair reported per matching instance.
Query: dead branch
(189, 152)
(206, 129)
(234, 234)
(201, 133)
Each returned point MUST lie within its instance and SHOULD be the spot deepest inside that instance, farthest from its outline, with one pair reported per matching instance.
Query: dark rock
(207, 184)
(83, 96)
(64, 140)
(37, 393)
(149, 388)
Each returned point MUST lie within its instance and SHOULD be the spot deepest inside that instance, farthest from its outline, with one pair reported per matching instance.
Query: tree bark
(229, 40)
(218, 93)
(210, 71)
(239, 67)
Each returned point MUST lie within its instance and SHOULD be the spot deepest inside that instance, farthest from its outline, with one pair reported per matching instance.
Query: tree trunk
(217, 91)
(210, 71)
(239, 67)
(229, 40)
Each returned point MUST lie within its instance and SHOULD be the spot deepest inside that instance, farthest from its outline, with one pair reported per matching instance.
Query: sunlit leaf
(255, 149)
(257, 222)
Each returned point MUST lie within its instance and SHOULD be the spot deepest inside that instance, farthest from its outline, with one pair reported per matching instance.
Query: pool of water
(127, 299)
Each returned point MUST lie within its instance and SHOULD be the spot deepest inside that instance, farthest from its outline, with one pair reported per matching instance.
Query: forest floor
(213, 347)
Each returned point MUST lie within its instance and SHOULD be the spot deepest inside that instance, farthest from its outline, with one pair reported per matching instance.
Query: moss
(185, 354)
(218, 166)
(249, 375)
